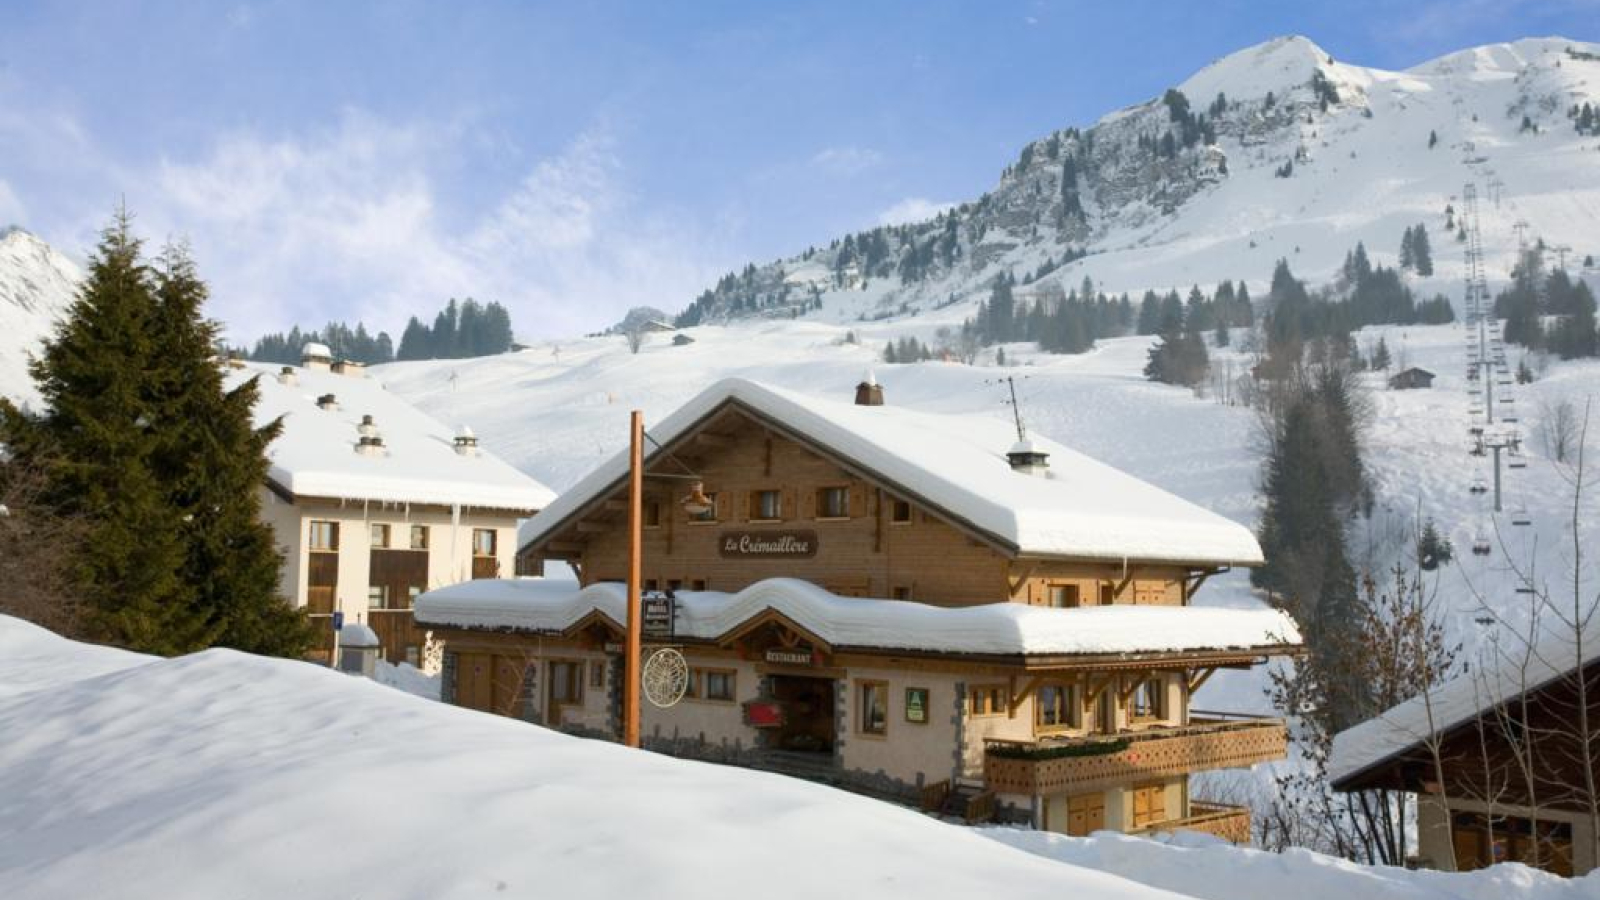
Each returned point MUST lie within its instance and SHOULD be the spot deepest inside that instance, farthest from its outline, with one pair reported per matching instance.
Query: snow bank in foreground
(408, 678)
(1208, 868)
(227, 775)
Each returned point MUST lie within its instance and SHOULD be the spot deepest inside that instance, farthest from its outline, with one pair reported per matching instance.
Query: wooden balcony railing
(1231, 823)
(1073, 765)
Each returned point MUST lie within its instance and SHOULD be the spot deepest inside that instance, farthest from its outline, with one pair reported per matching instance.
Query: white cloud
(912, 209)
(847, 160)
(354, 222)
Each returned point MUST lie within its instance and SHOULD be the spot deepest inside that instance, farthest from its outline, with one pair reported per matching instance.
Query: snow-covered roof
(316, 456)
(552, 606)
(315, 350)
(956, 465)
(1458, 701)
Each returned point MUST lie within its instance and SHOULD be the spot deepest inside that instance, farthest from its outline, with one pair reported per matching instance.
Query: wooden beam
(587, 527)
(565, 546)
(1096, 688)
(1016, 583)
(1027, 691)
(1199, 678)
(1011, 691)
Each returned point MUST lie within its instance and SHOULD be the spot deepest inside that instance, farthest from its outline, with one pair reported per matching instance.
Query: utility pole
(635, 643)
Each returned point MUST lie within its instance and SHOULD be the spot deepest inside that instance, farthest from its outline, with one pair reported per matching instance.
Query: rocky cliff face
(37, 284)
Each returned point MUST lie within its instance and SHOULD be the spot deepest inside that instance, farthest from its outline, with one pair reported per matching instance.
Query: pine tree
(1422, 253)
(212, 461)
(99, 439)
(1380, 356)
(1408, 257)
(1433, 139)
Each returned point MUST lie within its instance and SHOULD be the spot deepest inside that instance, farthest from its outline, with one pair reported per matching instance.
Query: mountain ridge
(1139, 199)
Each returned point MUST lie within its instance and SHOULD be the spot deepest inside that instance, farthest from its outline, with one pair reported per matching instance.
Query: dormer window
(900, 512)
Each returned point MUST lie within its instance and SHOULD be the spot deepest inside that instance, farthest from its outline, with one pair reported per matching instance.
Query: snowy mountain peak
(1273, 65)
(37, 284)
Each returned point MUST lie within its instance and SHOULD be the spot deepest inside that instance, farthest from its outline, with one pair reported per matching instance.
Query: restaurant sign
(656, 612)
(769, 544)
(790, 657)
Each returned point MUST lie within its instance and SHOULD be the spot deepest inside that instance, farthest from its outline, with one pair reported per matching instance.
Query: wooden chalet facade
(866, 623)
(1506, 776)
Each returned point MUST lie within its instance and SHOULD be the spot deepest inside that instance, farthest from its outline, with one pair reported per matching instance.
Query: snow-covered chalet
(373, 501)
(916, 606)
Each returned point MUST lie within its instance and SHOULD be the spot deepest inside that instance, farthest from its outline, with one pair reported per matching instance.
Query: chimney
(327, 402)
(869, 392)
(370, 445)
(316, 356)
(466, 442)
(286, 376)
(368, 428)
(1026, 457)
(350, 368)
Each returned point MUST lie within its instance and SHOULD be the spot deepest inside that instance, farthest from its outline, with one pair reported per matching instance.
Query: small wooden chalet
(1411, 379)
(912, 605)
(1499, 758)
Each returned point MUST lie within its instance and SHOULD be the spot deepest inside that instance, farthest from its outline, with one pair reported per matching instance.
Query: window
(419, 537)
(900, 512)
(917, 705)
(874, 707)
(900, 592)
(652, 513)
(484, 542)
(324, 536)
(719, 685)
(412, 593)
(1063, 596)
(377, 596)
(380, 535)
(987, 699)
(566, 682)
(597, 674)
(698, 584)
(766, 506)
(650, 584)
(674, 584)
(833, 503)
(710, 515)
(1149, 699)
(1057, 707)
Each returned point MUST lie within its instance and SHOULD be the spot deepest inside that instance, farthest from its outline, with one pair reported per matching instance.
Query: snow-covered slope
(37, 284)
(1363, 169)
(227, 775)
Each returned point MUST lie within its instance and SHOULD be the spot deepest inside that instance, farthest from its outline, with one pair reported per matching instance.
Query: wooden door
(474, 679)
(1149, 804)
(1086, 813)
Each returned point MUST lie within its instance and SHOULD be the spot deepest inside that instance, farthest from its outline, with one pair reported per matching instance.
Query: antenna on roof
(1016, 410)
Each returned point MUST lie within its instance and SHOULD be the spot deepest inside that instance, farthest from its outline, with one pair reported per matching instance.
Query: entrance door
(566, 689)
(808, 713)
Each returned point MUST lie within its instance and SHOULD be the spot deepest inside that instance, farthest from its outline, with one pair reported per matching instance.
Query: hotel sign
(657, 611)
(769, 544)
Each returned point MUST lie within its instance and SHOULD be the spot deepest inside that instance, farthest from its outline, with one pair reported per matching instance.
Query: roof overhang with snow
(955, 467)
(1037, 637)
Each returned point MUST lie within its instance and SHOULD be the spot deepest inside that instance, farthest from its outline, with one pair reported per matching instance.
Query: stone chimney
(316, 356)
(1026, 457)
(370, 445)
(327, 402)
(368, 427)
(869, 392)
(286, 376)
(466, 442)
(350, 368)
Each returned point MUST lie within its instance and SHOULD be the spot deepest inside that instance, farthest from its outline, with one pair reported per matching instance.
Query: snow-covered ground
(227, 775)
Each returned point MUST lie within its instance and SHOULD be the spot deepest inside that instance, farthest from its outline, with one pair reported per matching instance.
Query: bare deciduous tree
(38, 547)
(1558, 429)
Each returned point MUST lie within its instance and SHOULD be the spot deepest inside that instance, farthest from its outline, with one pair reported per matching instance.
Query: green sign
(917, 705)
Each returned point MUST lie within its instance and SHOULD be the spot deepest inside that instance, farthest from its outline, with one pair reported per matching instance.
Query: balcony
(1231, 823)
(1073, 765)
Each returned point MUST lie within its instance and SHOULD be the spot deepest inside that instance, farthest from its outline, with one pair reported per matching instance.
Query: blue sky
(571, 160)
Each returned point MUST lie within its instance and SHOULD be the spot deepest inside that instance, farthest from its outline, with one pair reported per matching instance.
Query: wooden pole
(631, 666)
